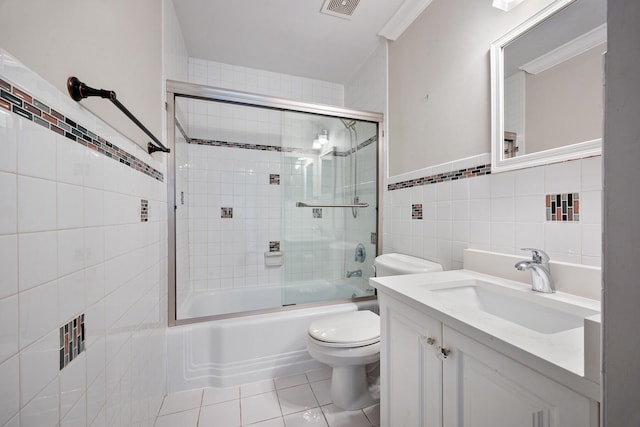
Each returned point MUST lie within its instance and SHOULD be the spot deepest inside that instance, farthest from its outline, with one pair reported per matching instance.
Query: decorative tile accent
(71, 340)
(563, 207)
(274, 179)
(442, 177)
(25, 105)
(416, 211)
(144, 210)
(274, 246)
(317, 212)
(226, 212)
(374, 238)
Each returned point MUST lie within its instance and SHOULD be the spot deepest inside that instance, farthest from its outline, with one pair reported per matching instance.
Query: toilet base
(349, 387)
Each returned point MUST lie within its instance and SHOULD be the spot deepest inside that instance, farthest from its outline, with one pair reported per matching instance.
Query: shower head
(348, 123)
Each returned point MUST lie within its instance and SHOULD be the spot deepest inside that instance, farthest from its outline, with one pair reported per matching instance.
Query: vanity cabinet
(435, 376)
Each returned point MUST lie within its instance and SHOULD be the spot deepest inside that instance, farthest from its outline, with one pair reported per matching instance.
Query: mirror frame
(554, 155)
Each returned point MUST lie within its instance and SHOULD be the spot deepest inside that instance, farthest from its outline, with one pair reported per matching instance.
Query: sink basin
(514, 306)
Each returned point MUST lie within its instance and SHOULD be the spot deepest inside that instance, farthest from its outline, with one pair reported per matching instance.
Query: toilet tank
(395, 264)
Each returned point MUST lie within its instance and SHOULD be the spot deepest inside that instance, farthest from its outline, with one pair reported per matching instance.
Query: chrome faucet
(541, 280)
(354, 273)
(361, 253)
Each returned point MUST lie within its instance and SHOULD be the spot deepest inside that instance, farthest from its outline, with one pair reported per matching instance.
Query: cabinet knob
(442, 352)
(430, 340)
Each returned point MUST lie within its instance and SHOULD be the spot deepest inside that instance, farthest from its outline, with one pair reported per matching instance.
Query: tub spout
(354, 273)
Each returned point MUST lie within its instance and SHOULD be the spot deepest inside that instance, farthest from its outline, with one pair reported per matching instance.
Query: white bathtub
(241, 350)
(203, 303)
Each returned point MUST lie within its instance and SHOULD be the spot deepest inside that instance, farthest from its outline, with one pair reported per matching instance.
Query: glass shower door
(329, 165)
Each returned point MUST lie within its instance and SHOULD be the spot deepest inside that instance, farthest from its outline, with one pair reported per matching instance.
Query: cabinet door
(483, 388)
(411, 393)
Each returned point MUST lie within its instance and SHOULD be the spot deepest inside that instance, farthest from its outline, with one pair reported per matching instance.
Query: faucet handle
(539, 256)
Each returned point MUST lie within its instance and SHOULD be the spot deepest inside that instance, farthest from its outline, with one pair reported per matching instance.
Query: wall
(621, 368)
(115, 45)
(82, 232)
(445, 54)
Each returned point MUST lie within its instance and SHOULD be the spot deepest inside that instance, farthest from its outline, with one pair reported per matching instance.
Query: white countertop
(559, 355)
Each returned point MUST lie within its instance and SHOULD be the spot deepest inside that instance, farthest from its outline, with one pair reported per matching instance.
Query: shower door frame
(191, 90)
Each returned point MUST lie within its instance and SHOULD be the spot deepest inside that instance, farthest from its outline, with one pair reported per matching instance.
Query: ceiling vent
(340, 8)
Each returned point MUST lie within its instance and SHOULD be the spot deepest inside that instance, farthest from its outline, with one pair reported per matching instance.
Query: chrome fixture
(541, 280)
(353, 150)
(361, 253)
(354, 273)
(506, 5)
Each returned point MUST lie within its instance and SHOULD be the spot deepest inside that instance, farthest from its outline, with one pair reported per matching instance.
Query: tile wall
(72, 243)
(498, 212)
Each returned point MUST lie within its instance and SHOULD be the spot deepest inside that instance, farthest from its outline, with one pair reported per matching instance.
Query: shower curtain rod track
(78, 91)
(310, 205)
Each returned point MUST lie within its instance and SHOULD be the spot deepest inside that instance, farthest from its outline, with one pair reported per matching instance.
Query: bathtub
(228, 352)
(203, 303)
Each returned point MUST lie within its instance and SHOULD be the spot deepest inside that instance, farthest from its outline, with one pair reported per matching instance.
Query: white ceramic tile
(373, 414)
(8, 145)
(480, 187)
(592, 173)
(9, 392)
(187, 418)
(502, 184)
(275, 422)
(93, 246)
(96, 397)
(460, 189)
(70, 206)
(502, 209)
(319, 374)
(43, 409)
(591, 240)
(296, 399)
(77, 416)
(529, 181)
(312, 417)
(260, 407)
(220, 414)
(36, 151)
(337, 417)
(72, 384)
(36, 204)
(480, 209)
(39, 364)
(9, 338)
(94, 169)
(38, 312)
(563, 237)
(460, 210)
(591, 207)
(322, 391)
(182, 401)
(562, 177)
(290, 381)
(257, 388)
(13, 422)
(71, 251)
(480, 232)
(503, 234)
(8, 265)
(41, 250)
(530, 208)
(71, 296)
(71, 158)
(213, 395)
(8, 202)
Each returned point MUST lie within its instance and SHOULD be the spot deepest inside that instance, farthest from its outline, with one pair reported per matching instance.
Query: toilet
(348, 342)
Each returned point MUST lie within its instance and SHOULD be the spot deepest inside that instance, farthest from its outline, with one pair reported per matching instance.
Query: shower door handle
(311, 205)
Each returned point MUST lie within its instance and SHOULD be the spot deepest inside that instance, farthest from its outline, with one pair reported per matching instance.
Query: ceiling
(284, 36)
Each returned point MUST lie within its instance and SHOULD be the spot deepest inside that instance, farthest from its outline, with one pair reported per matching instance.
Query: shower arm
(78, 91)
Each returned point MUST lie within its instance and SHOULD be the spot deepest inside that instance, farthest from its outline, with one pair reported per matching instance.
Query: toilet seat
(352, 329)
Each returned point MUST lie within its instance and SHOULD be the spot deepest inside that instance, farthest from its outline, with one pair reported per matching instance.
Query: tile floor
(293, 401)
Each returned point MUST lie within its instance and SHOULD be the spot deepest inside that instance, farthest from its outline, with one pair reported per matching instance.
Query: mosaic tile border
(563, 207)
(144, 210)
(317, 213)
(28, 107)
(72, 337)
(442, 177)
(274, 246)
(274, 179)
(226, 212)
(260, 147)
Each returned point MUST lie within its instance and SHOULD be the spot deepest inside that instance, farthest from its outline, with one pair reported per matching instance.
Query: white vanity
(466, 348)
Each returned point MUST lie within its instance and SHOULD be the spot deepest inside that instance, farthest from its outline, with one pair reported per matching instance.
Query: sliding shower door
(329, 207)
(272, 207)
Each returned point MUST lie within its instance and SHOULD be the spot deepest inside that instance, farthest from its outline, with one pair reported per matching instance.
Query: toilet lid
(352, 329)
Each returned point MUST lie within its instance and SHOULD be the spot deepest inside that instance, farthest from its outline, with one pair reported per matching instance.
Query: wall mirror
(547, 86)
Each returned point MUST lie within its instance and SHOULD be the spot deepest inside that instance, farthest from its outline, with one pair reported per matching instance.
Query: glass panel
(241, 242)
(328, 250)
